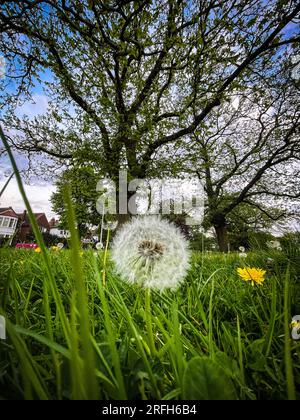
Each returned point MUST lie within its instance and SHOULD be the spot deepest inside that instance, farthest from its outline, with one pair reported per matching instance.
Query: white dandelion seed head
(99, 245)
(110, 224)
(60, 245)
(242, 248)
(274, 245)
(242, 255)
(151, 252)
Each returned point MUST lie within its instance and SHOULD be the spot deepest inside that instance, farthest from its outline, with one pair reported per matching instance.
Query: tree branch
(216, 100)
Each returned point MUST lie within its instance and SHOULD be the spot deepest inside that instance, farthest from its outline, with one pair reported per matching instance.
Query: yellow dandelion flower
(55, 248)
(255, 275)
(38, 250)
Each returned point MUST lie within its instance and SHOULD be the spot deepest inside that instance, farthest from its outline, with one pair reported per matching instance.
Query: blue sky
(38, 191)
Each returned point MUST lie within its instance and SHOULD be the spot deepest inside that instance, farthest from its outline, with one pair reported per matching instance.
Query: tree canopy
(82, 182)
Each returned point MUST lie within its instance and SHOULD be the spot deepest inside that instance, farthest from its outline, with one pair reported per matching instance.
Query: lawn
(73, 334)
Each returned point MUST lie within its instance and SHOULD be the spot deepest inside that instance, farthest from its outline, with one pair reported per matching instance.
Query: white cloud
(38, 196)
(32, 109)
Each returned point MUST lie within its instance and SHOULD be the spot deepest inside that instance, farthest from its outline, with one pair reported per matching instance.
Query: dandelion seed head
(274, 245)
(151, 252)
(151, 249)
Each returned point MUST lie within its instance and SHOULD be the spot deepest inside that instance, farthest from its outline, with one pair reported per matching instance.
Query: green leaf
(256, 359)
(227, 364)
(203, 379)
(44, 340)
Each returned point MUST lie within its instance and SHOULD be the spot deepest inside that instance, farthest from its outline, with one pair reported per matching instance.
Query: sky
(38, 192)
(38, 196)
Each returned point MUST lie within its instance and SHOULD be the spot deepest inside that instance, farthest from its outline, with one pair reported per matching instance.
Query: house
(25, 229)
(56, 230)
(8, 222)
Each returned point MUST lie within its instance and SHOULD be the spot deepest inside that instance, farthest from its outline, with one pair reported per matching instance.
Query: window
(5, 222)
(12, 223)
(1, 220)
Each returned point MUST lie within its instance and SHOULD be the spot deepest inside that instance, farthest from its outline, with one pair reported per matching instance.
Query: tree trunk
(222, 237)
(125, 215)
(219, 223)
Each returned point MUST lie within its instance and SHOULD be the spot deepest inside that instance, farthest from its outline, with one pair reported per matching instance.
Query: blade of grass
(76, 363)
(290, 384)
(240, 352)
(39, 239)
(49, 330)
(31, 376)
(272, 319)
(149, 322)
(137, 336)
(210, 320)
(89, 371)
(111, 337)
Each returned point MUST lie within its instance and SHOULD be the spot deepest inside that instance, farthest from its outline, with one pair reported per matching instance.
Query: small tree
(245, 223)
(82, 181)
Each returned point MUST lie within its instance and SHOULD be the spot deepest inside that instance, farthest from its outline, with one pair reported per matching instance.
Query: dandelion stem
(101, 229)
(149, 321)
(290, 384)
(82, 344)
(210, 321)
(105, 258)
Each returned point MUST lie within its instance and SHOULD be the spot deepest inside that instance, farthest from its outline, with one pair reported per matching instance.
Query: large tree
(131, 82)
(126, 78)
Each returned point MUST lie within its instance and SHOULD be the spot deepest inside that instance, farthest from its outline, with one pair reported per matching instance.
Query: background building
(25, 231)
(56, 230)
(8, 223)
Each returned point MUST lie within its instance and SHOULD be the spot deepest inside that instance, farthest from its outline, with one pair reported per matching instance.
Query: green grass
(71, 338)
(76, 331)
